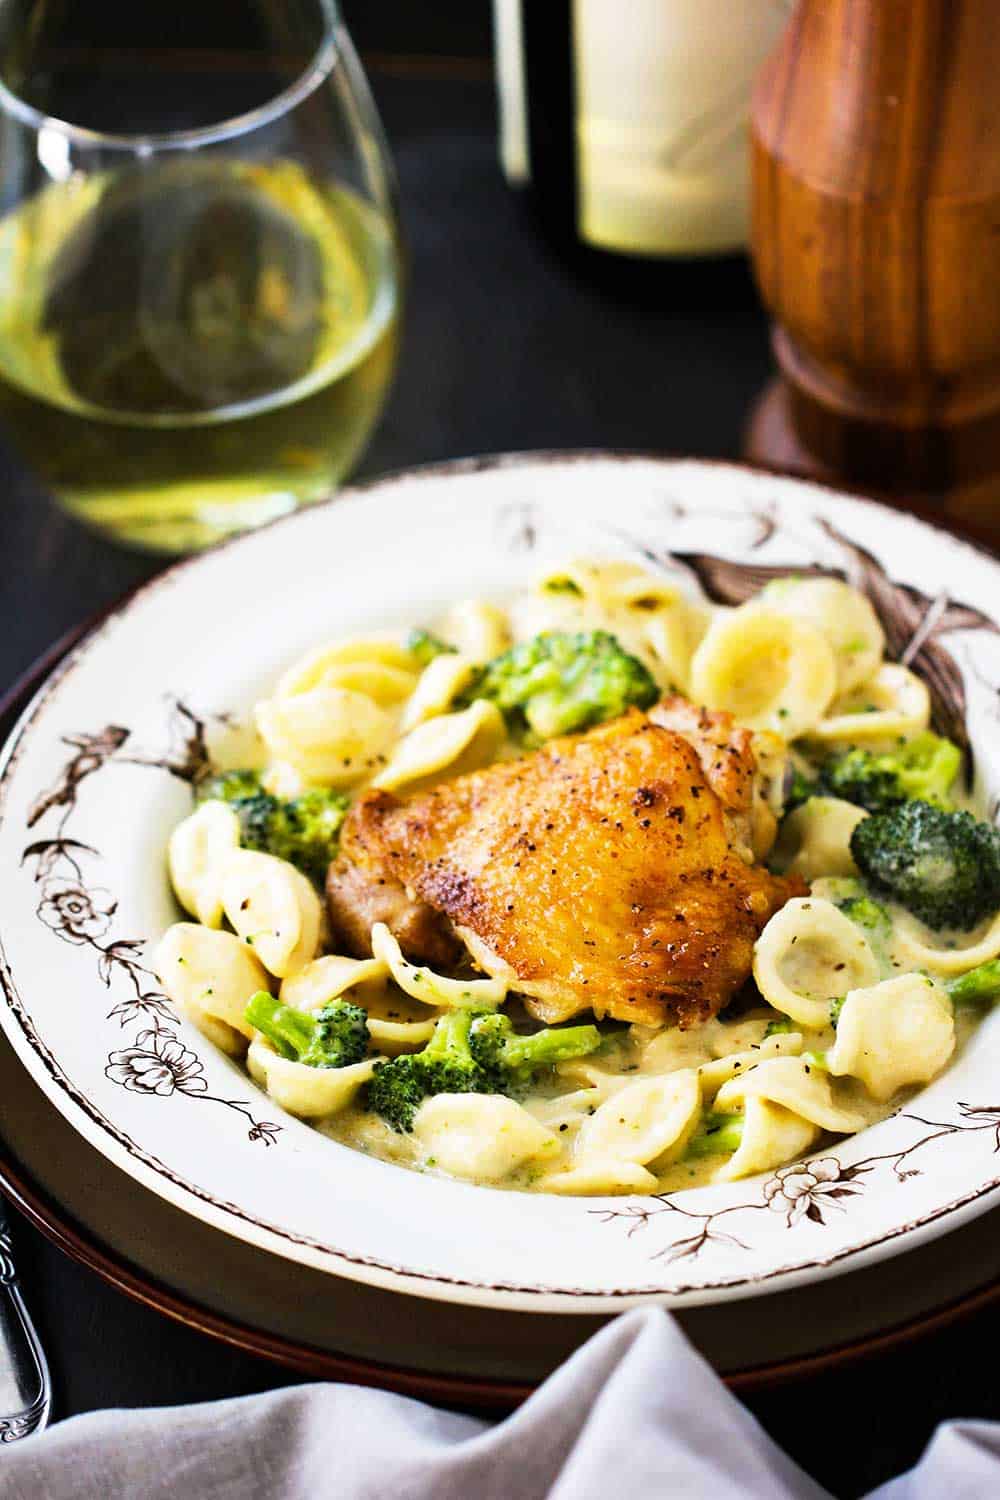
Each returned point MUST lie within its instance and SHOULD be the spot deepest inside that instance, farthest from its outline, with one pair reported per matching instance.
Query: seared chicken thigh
(598, 872)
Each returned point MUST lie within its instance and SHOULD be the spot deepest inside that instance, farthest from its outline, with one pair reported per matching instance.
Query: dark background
(506, 347)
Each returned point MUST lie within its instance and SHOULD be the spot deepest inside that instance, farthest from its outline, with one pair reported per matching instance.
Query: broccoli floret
(335, 1036)
(228, 786)
(446, 1065)
(923, 769)
(304, 830)
(470, 1054)
(558, 683)
(778, 1028)
(259, 817)
(836, 1006)
(942, 866)
(424, 645)
(515, 1059)
(980, 986)
(861, 908)
(716, 1135)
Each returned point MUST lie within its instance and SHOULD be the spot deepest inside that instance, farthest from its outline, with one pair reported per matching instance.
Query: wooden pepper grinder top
(876, 243)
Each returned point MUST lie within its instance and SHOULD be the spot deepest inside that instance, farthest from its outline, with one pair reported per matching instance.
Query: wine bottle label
(662, 104)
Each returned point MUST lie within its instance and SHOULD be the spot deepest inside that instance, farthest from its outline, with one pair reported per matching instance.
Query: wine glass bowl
(198, 322)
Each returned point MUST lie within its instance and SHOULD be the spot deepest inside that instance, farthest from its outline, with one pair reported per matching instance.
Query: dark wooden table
(506, 348)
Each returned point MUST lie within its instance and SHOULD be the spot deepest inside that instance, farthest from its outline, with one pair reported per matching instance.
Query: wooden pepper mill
(876, 243)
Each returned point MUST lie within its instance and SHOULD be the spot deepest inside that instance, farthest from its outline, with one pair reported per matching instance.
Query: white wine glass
(200, 274)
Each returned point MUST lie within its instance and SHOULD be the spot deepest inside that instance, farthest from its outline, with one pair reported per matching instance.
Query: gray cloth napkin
(636, 1406)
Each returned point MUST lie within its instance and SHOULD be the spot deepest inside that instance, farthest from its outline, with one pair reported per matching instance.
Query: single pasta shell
(430, 988)
(892, 703)
(896, 1033)
(440, 684)
(478, 629)
(331, 735)
(769, 670)
(597, 1178)
(483, 1137)
(772, 1136)
(196, 856)
(273, 908)
(809, 954)
(309, 1093)
(815, 839)
(843, 614)
(210, 976)
(313, 670)
(650, 1120)
(452, 743)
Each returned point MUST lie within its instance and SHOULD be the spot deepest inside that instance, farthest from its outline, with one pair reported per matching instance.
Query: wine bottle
(630, 129)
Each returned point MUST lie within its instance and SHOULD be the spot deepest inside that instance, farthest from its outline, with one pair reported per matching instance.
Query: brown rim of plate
(473, 1392)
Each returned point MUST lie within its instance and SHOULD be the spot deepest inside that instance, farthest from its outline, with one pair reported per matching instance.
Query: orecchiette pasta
(274, 910)
(920, 948)
(808, 955)
(815, 839)
(798, 1086)
(324, 979)
(196, 855)
(595, 1176)
(209, 976)
(592, 1076)
(673, 1048)
(647, 1121)
(483, 1136)
(893, 702)
(455, 743)
(844, 616)
(771, 1136)
(440, 684)
(330, 735)
(325, 667)
(898, 1032)
(565, 1113)
(310, 1093)
(477, 629)
(769, 670)
(712, 1075)
(434, 989)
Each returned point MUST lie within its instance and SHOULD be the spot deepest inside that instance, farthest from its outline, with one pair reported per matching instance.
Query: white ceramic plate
(96, 775)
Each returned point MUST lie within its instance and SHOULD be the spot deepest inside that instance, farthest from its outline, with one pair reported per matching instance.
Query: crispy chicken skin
(596, 872)
(727, 754)
(723, 748)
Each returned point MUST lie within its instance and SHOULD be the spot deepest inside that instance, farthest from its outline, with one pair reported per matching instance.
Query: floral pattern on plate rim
(157, 1062)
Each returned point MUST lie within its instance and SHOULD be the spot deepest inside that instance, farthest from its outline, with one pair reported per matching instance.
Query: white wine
(190, 347)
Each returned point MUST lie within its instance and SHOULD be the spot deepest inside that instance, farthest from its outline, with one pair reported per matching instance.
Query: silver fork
(25, 1389)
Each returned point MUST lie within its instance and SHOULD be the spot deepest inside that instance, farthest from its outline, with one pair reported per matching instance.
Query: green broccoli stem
(717, 1135)
(546, 1048)
(291, 1031)
(450, 1039)
(980, 986)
